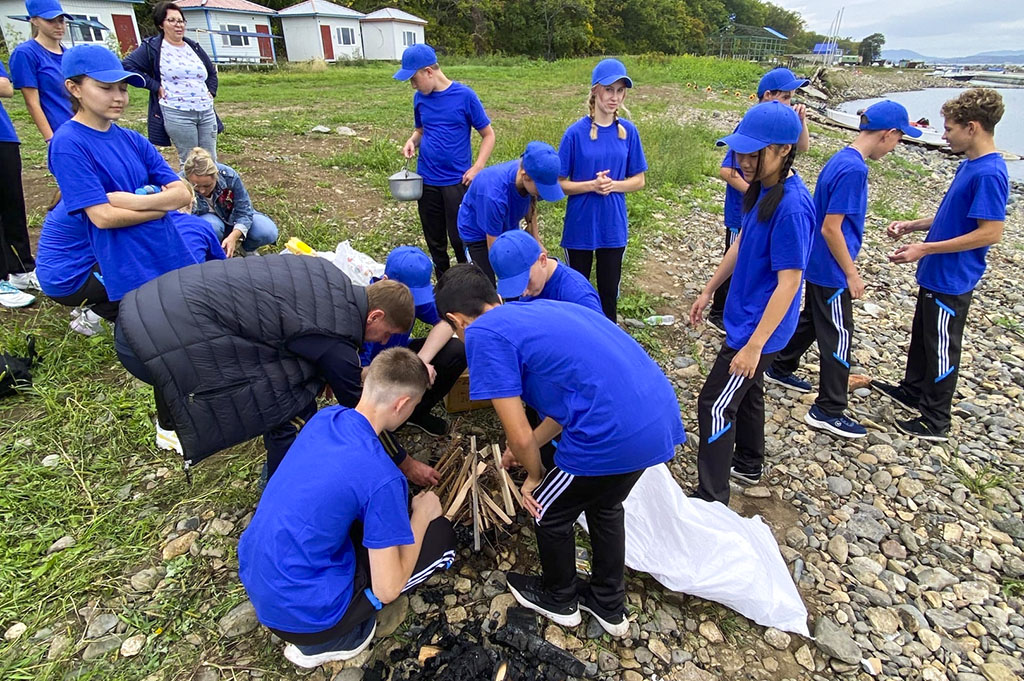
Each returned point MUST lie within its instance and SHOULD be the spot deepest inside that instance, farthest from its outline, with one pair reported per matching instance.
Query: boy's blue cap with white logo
(779, 80)
(764, 124)
(45, 9)
(540, 161)
(609, 71)
(888, 115)
(512, 255)
(415, 58)
(98, 63)
(411, 266)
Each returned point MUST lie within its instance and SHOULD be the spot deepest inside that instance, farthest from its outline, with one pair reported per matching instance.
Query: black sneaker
(896, 393)
(310, 657)
(786, 380)
(429, 424)
(716, 321)
(744, 477)
(615, 623)
(921, 430)
(531, 594)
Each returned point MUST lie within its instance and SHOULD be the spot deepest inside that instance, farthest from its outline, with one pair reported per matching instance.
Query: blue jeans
(262, 233)
(189, 129)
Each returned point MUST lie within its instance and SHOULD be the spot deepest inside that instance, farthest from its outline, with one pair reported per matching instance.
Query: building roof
(225, 6)
(744, 31)
(322, 8)
(392, 14)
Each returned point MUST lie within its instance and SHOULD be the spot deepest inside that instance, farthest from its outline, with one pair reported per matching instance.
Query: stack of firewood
(475, 489)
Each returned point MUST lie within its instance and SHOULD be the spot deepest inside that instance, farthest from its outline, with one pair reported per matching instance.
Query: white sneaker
(14, 297)
(87, 323)
(25, 281)
(300, 659)
(168, 439)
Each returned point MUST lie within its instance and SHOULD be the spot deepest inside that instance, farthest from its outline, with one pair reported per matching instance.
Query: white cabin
(318, 29)
(231, 31)
(387, 32)
(107, 22)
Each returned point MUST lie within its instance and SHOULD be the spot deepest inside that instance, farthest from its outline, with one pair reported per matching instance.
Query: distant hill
(994, 57)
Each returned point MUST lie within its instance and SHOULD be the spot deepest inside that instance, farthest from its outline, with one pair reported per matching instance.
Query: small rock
(345, 130)
(240, 620)
(804, 658)
(660, 650)
(180, 545)
(456, 614)
(101, 647)
(65, 542)
(835, 642)
(872, 665)
(51, 460)
(554, 635)
(606, 661)
(935, 579)
(839, 548)
(220, 527)
(947, 619)
(757, 492)
(997, 672)
(711, 632)
(101, 624)
(15, 631)
(839, 486)
(499, 607)
(863, 525)
(58, 646)
(132, 646)
(884, 620)
(146, 580)
(320, 128)
(690, 672)
(777, 639)
(929, 639)
(893, 549)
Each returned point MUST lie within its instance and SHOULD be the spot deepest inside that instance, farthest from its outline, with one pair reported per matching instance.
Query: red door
(325, 35)
(125, 31)
(266, 54)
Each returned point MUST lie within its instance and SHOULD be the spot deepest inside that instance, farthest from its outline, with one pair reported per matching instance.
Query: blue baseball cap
(45, 9)
(411, 266)
(888, 115)
(415, 58)
(540, 161)
(512, 255)
(98, 63)
(764, 124)
(609, 71)
(779, 80)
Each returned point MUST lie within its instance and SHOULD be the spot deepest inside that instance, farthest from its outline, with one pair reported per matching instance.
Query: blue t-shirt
(593, 221)
(781, 243)
(733, 197)
(979, 192)
(7, 133)
(200, 239)
(32, 65)
(446, 118)
(89, 163)
(64, 257)
(617, 409)
(568, 286)
(842, 189)
(296, 558)
(492, 205)
(426, 313)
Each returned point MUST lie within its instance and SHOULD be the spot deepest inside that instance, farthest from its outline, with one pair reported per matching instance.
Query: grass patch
(1013, 588)
(889, 210)
(979, 482)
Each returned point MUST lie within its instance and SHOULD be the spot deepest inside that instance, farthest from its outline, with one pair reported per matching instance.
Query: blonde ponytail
(199, 162)
(591, 103)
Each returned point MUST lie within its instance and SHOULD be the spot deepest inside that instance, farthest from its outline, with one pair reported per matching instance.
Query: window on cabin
(229, 37)
(346, 36)
(408, 37)
(85, 34)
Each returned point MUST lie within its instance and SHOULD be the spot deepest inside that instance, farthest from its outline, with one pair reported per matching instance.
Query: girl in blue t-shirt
(99, 165)
(601, 160)
(15, 250)
(766, 263)
(35, 66)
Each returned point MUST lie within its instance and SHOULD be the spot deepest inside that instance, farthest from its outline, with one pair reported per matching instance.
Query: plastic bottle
(148, 189)
(298, 247)
(660, 320)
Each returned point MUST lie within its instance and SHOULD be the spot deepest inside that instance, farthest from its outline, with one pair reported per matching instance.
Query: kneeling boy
(332, 539)
(616, 414)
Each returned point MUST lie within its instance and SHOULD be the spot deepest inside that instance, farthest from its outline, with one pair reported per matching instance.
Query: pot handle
(405, 168)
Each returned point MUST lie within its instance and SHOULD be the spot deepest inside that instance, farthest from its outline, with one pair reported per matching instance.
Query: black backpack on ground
(15, 371)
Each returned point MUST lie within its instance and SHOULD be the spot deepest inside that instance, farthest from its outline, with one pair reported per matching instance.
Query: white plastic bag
(708, 550)
(359, 267)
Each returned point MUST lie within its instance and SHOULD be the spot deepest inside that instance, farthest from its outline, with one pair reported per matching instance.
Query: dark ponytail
(773, 198)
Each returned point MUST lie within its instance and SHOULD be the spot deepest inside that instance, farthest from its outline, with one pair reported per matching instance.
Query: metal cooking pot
(406, 185)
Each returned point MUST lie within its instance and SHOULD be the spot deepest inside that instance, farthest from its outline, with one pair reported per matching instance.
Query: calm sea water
(927, 103)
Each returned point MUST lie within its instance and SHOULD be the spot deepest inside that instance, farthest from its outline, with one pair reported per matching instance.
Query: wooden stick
(506, 495)
(496, 510)
(463, 492)
(476, 506)
(453, 484)
(512, 488)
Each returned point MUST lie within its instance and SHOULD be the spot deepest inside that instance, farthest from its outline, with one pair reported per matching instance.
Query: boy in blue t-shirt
(444, 113)
(970, 218)
(332, 539)
(526, 272)
(444, 355)
(504, 195)
(833, 283)
(612, 408)
(766, 263)
(778, 85)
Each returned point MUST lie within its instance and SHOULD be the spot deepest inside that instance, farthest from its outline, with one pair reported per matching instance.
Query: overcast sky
(937, 28)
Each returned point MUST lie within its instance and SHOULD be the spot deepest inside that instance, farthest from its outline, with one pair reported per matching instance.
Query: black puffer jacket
(214, 337)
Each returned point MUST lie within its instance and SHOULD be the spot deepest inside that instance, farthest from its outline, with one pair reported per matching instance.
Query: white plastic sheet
(357, 266)
(708, 550)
